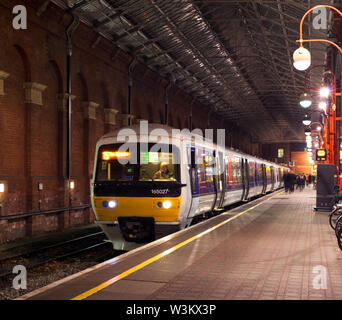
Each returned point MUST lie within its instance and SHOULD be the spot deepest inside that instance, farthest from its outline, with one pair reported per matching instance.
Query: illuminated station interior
(170, 150)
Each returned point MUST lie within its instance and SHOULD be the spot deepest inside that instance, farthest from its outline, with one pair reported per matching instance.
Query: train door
(281, 177)
(252, 181)
(264, 178)
(219, 180)
(245, 177)
(194, 206)
(273, 178)
(281, 174)
(193, 173)
(205, 160)
(259, 178)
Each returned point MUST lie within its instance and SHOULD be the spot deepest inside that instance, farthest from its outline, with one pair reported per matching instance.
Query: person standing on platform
(303, 182)
(286, 181)
(292, 181)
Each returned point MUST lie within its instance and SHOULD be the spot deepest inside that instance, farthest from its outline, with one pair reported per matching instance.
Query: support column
(3, 76)
(89, 143)
(137, 121)
(63, 199)
(127, 119)
(33, 102)
(110, 119)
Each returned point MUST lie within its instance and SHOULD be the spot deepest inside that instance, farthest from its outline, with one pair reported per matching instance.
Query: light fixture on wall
(324, 92)
(301, 59)
(72, 185)
(302, 56)
(306, 120)
(305, 100)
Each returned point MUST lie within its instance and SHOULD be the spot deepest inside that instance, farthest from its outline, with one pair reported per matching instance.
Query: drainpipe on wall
(69, 33)
(130, 84)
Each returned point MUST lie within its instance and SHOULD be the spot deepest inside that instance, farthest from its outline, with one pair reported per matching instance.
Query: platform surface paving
(280, 249)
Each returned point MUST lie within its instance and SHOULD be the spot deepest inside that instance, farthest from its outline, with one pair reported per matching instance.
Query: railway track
(59, 251)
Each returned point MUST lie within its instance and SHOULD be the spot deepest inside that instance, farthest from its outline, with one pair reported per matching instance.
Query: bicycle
(334, 215)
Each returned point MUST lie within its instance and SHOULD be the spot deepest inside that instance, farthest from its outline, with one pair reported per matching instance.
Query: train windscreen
(136, 163)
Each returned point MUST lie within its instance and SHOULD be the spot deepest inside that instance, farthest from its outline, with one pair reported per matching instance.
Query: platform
(271, 248)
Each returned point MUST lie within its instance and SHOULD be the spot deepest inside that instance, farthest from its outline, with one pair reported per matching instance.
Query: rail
(51, 211)
(41, 256)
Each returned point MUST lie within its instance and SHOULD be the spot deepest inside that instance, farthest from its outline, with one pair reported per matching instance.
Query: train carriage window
(205, 164)
(111, 165)
(238, 171)
(157, 163)
(272, 175)
(234, 168)
(259, 172)
(251, 171)
(227, 173)
(268, 174)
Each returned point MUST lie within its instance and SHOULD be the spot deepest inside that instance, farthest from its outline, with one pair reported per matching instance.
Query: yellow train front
(136, 194)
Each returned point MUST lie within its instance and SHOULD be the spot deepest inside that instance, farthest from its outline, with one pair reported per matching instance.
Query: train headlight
(112, 204)
(167, 204)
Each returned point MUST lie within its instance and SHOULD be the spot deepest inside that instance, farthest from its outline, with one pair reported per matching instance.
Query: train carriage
(148, 183)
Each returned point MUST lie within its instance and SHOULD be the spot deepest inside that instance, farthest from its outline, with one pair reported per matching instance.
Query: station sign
(321, 154)
(291, 164)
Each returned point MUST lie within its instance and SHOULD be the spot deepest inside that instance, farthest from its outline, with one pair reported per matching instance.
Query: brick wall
(32, 115)
(270, 152)
(301, 162)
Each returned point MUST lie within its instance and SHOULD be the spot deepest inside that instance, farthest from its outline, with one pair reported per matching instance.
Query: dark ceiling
(233, 56)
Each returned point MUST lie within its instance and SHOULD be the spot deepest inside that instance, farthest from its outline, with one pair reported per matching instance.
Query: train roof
(185, 134)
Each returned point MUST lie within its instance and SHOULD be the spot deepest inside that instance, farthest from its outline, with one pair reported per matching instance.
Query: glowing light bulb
(324, 92)
(305, 100)
(301, 59)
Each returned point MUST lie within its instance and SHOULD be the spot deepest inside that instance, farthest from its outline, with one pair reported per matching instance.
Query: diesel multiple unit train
(150, 183)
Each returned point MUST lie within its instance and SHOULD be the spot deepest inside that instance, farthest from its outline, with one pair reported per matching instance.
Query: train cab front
(136, 194)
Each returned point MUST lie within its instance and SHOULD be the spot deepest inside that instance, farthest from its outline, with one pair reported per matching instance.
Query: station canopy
(235, 57)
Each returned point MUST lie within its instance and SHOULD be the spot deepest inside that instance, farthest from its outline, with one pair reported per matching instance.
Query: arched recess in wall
(121, 99)
(105, 100)
(56, 71)
(83, 87)
(161, 116)
(179, 123)
(23, 122)
(150, 113)
(185, 123)
(52, 126)
(136, 108)
(170, 122)
(84, 171)
(104, 104)
(25, 62)
(80, 90)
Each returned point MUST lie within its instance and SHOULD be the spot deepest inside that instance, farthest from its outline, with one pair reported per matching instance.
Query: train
(150, 181)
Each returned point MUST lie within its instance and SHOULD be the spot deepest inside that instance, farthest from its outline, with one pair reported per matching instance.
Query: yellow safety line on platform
(160, 255)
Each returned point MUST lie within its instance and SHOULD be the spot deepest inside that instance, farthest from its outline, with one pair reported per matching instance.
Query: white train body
(137, 202)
